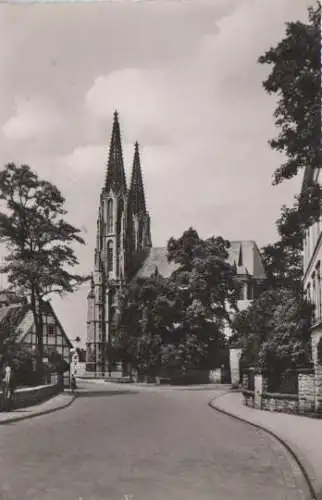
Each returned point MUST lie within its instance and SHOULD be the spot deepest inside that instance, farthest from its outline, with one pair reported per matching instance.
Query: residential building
(17, 326)
(312, 256)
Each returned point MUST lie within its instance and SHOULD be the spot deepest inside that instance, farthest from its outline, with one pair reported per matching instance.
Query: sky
(185, 79)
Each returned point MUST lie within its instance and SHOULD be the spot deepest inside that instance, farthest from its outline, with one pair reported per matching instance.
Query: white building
(246, 257)
(312, 249)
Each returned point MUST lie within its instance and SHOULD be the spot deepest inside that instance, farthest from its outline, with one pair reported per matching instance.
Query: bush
(21, 360)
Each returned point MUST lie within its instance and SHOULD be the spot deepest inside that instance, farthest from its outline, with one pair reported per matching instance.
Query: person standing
(8, 386)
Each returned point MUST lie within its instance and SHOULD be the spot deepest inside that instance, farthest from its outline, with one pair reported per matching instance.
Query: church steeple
(137, 197)
(115, 176)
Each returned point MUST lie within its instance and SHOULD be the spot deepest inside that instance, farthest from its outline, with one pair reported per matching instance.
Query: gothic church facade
(122, 243)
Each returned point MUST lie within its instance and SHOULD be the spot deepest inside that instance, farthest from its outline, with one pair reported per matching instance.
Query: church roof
(157, 259)
(137, 197)
(246, 256)
(115, 176)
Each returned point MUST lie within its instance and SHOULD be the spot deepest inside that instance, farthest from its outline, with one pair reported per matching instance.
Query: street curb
(306, 476)
(39, 413)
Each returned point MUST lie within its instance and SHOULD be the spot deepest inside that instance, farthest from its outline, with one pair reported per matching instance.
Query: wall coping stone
(31, 389)
(279, 395)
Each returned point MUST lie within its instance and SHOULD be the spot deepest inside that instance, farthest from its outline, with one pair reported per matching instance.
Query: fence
(28, 396)
(298, 392)
(283, 383)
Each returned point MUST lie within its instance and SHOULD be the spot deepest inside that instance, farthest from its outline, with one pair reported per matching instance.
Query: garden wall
(306, 401)
(29, 396)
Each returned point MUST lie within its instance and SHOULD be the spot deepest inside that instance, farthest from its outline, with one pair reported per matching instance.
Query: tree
(295, 79)
(288, 344)
(149, 311)
(283, 265)
(38, 239)
(274, 331)
(208, 282)
(179, 321)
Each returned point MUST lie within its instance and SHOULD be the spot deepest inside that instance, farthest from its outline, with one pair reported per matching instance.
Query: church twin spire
(115, 175)
(137, 196)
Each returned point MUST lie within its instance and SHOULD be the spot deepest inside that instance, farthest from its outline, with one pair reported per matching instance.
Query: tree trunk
(37, 314)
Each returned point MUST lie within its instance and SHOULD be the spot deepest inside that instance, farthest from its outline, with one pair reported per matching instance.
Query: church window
(110, 216)
(110, 256)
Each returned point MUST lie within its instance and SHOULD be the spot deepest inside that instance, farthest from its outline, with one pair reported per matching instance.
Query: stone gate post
(258, 383)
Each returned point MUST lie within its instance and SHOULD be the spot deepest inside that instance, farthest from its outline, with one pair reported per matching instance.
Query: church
(124, 250)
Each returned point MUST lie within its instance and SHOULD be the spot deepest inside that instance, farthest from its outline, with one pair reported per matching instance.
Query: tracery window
(110, 256)
(110, 216)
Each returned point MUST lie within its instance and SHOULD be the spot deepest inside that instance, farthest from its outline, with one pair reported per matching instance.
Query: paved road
(114, 443)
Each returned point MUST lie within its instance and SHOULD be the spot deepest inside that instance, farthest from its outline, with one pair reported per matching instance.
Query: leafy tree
(179, 321)
(296, 80)
(38, 239)
(204, 273)
(274, 331)
(209, 290)
(283, 266)
(149, 311)
(288, 344)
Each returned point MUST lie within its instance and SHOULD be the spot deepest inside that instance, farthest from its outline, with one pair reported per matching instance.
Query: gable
(157, 259)
(17, 325)
(11, 319)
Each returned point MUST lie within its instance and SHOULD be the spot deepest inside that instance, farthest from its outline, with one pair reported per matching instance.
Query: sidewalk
(53, 404)
(301, 435)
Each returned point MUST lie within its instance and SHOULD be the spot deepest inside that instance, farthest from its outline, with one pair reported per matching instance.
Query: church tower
(139, 234)
(122, 240)
(140, 217)
(114, 203)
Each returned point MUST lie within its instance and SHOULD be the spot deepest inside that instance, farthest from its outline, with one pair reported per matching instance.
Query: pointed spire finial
(137, 196)
(115, 176)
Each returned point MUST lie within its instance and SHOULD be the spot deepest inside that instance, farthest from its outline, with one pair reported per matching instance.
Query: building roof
(157, 259)
(245, 255)
(12, 317)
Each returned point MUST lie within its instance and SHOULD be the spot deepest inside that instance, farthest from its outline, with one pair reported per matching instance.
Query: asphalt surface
(120, 443)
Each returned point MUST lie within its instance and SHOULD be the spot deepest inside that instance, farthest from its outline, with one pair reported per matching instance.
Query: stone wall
(306, 384)
(284, 403)
(308, 400)
(29, 396)
(315, 339)
(318, 389)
